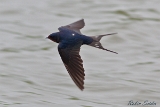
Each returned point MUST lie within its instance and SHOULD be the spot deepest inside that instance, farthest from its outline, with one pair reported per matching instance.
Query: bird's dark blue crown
(54, 37)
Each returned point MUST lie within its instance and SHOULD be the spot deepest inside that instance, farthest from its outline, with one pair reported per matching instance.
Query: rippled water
(32, 73)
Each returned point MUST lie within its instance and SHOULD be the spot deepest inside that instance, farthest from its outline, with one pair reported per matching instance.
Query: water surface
(32, 73)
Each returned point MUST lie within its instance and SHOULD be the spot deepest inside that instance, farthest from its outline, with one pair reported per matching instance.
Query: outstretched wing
(73, 63)
(75, 26)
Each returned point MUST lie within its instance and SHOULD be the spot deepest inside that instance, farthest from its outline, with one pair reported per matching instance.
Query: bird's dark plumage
(73, 63)
(70, 40)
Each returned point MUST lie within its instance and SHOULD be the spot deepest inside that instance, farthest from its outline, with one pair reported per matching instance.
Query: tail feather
(96, 42)
(100, 36)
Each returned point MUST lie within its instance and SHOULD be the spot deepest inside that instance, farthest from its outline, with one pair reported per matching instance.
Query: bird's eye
(73, 34)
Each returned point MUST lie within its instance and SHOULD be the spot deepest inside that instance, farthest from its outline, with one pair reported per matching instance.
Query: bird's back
(72, 37)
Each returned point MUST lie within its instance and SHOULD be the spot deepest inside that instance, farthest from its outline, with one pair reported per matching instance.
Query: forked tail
(96, 42)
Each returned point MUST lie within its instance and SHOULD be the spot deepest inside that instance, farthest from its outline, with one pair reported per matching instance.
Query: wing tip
(81, 87)
(82, 20)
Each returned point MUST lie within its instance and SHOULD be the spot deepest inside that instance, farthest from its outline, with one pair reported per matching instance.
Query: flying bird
(70, 40)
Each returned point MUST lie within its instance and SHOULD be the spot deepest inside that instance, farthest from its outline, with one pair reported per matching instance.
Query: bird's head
(54, 37)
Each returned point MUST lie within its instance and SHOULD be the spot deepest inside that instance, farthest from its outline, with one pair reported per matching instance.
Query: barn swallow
(70, 40)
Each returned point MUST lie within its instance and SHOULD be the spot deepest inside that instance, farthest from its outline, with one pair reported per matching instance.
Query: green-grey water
(32, 73)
